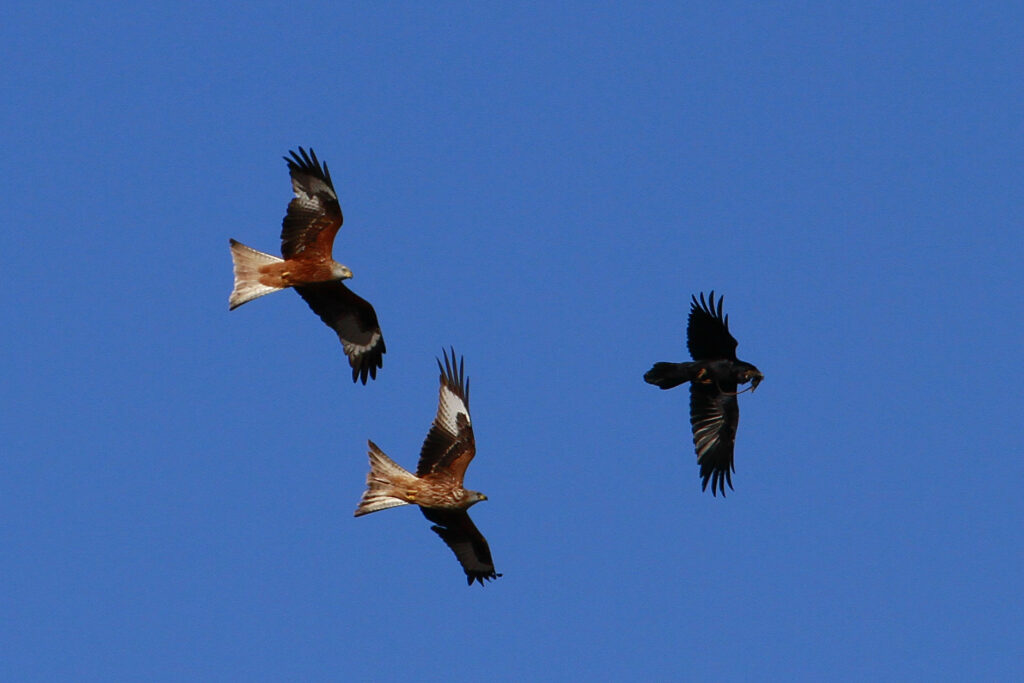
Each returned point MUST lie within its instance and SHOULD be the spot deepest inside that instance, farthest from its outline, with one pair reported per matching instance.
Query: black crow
(714, 374)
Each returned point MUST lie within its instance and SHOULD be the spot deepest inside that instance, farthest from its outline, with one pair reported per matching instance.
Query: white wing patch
(448, 408)
(353, 350)
(307, 203)
(316, 187)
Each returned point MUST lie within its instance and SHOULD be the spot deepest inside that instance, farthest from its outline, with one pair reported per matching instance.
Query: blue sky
(542, 186)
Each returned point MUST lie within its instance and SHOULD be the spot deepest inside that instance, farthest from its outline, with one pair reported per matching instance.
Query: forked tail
(247, 274)
(386, 484)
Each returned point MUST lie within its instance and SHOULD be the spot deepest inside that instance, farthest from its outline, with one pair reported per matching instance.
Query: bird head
(474, 497)
(745, 372)
(340, 272)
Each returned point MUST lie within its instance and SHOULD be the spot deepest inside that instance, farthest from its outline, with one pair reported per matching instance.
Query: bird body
(308, 266)
(724, 373)
(390, 485)
(276, 273)
(436, 487)
(258, 273)
(714, 375)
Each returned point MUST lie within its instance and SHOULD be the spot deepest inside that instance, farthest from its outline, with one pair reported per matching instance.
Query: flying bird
(714, 375)
(437, 485)
(307, 238)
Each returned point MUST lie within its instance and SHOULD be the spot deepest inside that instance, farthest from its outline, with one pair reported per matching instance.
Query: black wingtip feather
(471, 576)
(308, 163)
(361, 372)
(480, 578)
(454, 373)
(368, 364)
(709, 306)
(718, 478)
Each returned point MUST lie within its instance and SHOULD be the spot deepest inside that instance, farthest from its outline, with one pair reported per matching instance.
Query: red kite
(713, 375)
(437, 485)
(307, 238)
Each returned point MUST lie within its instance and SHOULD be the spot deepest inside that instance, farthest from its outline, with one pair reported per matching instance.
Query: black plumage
(714, 375)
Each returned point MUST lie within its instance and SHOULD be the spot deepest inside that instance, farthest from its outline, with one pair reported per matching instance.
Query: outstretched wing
(714, 416)
(314, 215)
(707, 331)
(457, 530)
(449, 446)
(355, 321)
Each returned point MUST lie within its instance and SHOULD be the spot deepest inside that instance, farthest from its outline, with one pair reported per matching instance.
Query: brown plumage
(307, 240)
(437, 485)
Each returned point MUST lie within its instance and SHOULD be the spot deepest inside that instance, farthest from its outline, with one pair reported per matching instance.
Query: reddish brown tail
(247, 263)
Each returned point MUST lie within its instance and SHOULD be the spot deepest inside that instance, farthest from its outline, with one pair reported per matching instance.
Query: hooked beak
(755, 381)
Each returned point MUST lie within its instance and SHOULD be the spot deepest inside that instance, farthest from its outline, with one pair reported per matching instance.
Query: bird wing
(314, 215)
(459, 533)
(707, 331)
(449, 446)
(714, 416)
(355, 321)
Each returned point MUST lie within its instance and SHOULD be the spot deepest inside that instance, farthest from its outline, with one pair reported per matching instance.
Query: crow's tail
(668, 375)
